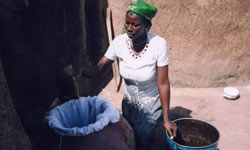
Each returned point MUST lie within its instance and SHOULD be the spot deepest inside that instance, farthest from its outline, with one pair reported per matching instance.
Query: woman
(143, 62)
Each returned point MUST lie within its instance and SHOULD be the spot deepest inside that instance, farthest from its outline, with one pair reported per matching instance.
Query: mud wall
(38, 40)
(209, 40)
(12, 134)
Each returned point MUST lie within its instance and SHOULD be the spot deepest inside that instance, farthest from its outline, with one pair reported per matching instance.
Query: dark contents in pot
(195, 133)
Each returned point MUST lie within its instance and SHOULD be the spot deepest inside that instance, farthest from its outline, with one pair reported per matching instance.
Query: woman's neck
(140, 42)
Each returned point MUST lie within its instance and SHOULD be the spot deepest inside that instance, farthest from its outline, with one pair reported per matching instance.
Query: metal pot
(194, 134)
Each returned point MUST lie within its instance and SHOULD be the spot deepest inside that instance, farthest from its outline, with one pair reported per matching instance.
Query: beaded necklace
(133, 53)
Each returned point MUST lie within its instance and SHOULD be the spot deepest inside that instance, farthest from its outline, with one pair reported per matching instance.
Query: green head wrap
(142, 8)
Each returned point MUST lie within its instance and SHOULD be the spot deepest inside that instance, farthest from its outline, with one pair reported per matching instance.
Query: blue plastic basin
(194, 134)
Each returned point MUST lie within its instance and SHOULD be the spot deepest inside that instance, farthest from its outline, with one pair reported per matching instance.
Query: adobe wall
(209, 40)
(38, 40)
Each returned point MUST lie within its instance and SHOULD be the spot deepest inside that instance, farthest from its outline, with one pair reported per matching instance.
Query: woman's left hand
(171, 128)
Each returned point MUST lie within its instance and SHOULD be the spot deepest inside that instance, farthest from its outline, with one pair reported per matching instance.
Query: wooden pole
(115, 64)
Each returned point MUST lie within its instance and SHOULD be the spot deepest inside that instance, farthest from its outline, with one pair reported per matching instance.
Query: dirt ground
(230, 117)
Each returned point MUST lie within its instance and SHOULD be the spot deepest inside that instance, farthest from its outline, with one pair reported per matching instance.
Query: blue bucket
(194, 134)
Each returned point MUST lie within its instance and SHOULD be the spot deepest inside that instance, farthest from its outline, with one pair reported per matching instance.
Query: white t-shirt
(139, 68)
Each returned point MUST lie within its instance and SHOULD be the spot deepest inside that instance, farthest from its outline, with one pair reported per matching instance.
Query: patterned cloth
(141, 106)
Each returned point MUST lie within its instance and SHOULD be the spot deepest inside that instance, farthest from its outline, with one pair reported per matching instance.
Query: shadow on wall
(38, 39)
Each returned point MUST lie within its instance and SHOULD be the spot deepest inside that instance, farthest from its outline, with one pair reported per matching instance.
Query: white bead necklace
(133, 53)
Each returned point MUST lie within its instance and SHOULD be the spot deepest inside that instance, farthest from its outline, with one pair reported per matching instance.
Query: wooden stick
(115, 65)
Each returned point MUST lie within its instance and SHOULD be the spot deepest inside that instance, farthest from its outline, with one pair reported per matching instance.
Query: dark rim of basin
(208, 126)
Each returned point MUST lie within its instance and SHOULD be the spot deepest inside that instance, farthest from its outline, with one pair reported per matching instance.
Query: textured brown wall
(38, 39)
(209, 40)
(12, 134)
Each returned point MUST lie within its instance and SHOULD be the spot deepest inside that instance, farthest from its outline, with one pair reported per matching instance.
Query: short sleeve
(163, 54)
(111, 53)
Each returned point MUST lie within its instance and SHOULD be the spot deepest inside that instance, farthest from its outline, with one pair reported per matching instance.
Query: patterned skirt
(141, 106)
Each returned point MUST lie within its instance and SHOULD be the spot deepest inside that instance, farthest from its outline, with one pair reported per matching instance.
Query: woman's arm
(95, 70)
(103, 62)
(164, 92)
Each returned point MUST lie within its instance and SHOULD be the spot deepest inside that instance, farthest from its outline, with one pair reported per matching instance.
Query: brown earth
(209, 40)
(209, 49)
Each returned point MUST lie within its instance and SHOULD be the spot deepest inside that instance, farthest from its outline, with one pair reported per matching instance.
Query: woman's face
(133, 24)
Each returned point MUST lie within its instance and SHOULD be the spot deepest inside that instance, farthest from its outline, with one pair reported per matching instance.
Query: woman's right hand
(90, 71)
(171, 128)
(95, 70)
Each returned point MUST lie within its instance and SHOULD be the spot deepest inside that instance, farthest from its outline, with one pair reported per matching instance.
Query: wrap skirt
(141, 106)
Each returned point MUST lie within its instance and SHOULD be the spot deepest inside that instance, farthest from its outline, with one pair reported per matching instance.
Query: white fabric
(143, 68)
